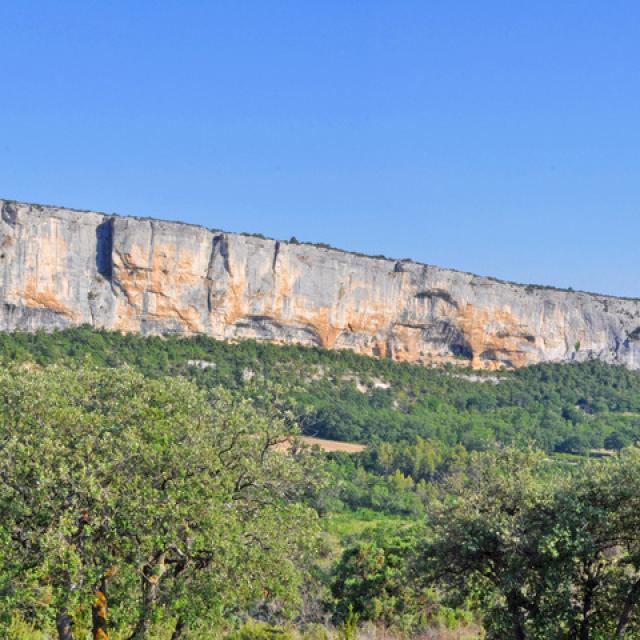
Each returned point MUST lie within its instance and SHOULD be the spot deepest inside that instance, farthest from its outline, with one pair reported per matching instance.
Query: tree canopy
(146, 494)
(544, 555)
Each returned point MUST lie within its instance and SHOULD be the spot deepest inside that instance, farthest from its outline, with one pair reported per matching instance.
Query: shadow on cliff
(104, 247)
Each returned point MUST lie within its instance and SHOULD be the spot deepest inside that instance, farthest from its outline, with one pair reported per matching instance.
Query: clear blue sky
(496, 137)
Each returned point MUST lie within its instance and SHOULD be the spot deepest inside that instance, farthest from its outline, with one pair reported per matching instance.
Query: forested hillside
(161, 480)
(565, 408)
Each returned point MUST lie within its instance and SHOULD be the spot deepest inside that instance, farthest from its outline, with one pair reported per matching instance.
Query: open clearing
(333, 445)
(327, 445)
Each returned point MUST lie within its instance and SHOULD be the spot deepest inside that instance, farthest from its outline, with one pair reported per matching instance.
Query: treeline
(572, 408)
(393, 478)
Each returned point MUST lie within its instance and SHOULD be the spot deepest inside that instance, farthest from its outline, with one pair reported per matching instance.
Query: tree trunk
(177, 632)
(63, 625)
(515, 610)
(625, 617)
(99, 615)
(587, 604)
(152, 575)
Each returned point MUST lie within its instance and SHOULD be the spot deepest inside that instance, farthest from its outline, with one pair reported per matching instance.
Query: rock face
(61, 268)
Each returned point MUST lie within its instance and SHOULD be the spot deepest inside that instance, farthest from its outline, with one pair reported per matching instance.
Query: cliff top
(322, 246)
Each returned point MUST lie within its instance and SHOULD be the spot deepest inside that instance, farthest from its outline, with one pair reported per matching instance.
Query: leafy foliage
(169, 499)
(152, 472)
(543, 555)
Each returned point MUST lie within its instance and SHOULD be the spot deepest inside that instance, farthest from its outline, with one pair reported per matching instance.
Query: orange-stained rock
(61, 268)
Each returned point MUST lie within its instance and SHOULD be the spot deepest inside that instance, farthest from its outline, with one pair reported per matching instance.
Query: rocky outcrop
(61, 268)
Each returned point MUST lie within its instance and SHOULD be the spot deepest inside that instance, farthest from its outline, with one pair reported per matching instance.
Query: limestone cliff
(61, 268)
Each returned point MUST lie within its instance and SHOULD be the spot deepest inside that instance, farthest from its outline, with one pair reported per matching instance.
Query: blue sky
(501, 138)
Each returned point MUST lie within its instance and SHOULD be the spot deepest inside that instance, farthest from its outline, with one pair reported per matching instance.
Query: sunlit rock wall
(62, 268)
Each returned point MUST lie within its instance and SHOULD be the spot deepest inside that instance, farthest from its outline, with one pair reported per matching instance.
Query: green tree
(372, 579)
(617, 441)
(544, 554)
(153, 494)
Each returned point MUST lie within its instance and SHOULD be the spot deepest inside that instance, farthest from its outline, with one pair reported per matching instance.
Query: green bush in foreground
(152, 497)
(544, 555)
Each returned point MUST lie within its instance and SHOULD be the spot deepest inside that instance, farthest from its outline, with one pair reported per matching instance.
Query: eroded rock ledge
(61, 268)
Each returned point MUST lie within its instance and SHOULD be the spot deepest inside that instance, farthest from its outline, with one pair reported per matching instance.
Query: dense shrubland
(144, 479)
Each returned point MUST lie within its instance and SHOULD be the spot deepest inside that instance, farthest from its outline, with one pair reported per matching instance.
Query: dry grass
(333, 445)
(325, 445)
(371, 632)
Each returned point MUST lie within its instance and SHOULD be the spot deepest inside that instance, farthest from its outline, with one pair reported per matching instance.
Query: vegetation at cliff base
(562, 407)
(157, 488)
